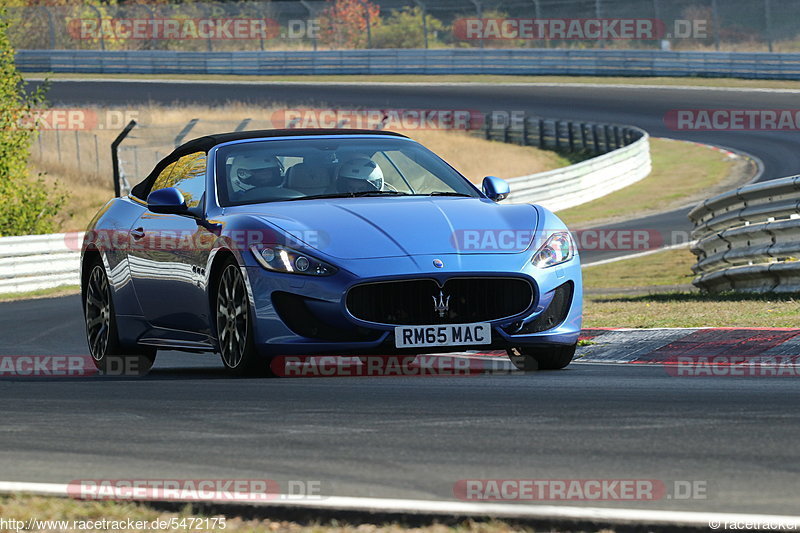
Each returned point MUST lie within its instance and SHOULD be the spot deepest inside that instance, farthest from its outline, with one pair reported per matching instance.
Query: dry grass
(39, 508)
(88, 177)
(476, 158)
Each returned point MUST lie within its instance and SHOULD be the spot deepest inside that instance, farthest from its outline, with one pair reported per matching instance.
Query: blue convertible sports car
(349, 242)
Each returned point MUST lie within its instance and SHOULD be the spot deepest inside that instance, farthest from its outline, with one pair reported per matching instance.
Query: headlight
(282, 259)
(557, 249)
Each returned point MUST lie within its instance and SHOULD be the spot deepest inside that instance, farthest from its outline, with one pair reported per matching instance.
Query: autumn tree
(343, 23)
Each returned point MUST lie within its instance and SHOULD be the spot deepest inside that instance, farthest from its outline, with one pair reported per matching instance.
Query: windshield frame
(213, 167)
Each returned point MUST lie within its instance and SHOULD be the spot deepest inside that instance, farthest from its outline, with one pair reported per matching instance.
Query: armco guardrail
(43, 261)
(625, 160)
(519, 61)
(34, 262)
(748, 239)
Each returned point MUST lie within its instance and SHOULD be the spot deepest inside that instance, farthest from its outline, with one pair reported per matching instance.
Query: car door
(168, 253)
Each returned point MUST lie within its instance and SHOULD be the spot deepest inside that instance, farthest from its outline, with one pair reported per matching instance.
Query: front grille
(414, 302)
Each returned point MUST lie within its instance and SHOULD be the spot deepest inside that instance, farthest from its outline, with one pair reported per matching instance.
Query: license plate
(447, 335)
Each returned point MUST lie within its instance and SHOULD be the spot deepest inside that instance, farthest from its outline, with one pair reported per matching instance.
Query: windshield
(283, 170)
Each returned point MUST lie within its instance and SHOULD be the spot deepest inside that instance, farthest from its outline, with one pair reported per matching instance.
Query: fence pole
(715, 17)
(365, 5)
(595, 139)
(598, 10)
(424, 14)
(96, 156)
(243, 124)
(479, 13)
(115, 155)
(185, 131)
(311, 17)
(78, 149)
(58, 144)
(768, 23)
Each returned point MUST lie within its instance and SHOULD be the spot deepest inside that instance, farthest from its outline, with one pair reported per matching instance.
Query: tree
(343, 24)
(403, 29)
(26, 205)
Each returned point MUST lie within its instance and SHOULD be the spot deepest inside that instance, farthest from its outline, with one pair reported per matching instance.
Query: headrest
(307, 176)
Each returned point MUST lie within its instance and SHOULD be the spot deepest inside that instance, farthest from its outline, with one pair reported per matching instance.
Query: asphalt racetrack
(413, 437)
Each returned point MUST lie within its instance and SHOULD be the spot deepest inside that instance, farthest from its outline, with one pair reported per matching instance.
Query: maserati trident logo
(442, 305)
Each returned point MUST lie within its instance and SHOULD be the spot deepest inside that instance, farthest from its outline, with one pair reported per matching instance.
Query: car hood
(365, 228)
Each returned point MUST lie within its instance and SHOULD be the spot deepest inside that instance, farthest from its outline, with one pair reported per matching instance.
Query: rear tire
(108, 353)
(234, 325)
(549, 358)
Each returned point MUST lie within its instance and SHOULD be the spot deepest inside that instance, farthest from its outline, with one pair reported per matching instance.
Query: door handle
(137, 233)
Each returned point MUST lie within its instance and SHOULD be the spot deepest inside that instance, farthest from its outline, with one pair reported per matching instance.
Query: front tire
(108, 353)
(234, 324)
(548, 358)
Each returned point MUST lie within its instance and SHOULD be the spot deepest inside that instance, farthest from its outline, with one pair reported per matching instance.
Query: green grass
(455, 78)
(681, 172)
(670, 267)
(675, 308)
(41, 293)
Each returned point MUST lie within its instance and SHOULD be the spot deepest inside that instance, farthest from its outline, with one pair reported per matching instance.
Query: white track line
(639, 254)
(498, 510)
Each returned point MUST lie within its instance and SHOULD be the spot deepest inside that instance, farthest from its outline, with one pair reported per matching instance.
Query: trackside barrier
(522, 61)
(32, 262)
(625, 160)
(748, 239)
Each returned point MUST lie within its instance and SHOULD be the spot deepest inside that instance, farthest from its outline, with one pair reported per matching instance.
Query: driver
(360, 174)
(251, 171)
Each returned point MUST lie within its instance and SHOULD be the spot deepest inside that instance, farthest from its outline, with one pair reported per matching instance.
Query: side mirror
(167, 201)
(495, 188)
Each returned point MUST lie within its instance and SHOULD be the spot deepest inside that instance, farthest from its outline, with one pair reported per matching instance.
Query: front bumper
(321, 324)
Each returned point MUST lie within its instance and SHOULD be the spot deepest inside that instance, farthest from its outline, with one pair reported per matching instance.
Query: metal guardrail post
(541, 134)
(584, 144)
(571, 137)
(115, 155)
